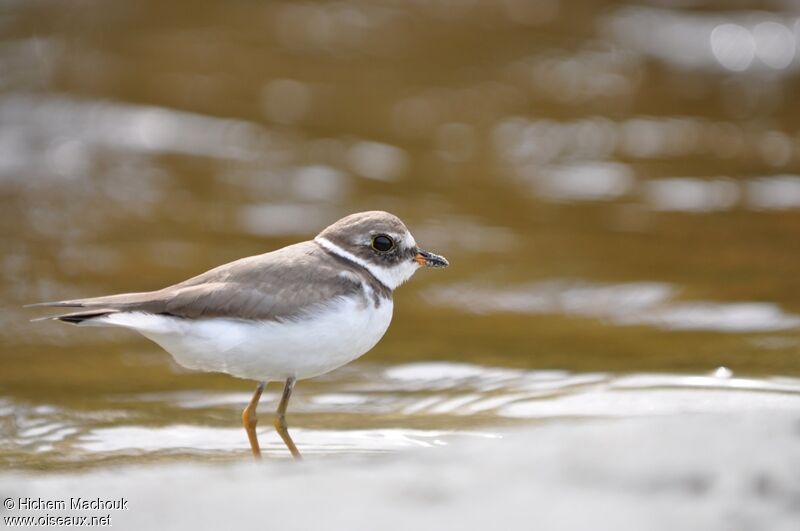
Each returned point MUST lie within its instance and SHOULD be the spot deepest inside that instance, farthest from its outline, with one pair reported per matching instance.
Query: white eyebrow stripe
(377, 272)
(391, 277)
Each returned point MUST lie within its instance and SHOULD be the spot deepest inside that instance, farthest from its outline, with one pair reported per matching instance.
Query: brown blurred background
(616, 184)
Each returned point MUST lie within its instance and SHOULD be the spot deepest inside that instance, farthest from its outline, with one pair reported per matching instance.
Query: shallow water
(695, 472)
(366, 409)
(616, 186)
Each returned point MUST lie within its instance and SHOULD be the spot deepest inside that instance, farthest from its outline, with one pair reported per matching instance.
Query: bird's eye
(382, 243)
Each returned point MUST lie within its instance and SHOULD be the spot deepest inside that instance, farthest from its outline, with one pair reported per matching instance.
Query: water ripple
(376, 409)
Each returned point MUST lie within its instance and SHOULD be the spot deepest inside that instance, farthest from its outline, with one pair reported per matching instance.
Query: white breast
(267, 350)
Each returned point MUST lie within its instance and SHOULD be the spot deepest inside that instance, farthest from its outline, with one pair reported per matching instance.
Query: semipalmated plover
(290, 314)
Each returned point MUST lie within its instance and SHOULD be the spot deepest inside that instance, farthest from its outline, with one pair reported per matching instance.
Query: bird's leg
(280, 419)
(249, 420)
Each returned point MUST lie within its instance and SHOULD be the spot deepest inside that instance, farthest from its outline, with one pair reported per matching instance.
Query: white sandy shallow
(689, 472)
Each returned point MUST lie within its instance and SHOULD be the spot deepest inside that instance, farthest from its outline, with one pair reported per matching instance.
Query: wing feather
(280, 285)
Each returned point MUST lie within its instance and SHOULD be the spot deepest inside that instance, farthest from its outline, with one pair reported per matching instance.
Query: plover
(286, 315)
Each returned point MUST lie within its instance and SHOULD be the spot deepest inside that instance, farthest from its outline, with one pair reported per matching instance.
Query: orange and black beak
(424, 258)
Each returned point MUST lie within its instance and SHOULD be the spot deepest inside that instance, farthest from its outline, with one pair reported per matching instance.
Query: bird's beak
(424, 258)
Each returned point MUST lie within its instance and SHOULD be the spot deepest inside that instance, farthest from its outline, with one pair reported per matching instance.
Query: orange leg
(250, 420)
(280, 419)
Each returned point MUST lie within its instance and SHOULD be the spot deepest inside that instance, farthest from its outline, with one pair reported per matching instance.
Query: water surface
(616, 186)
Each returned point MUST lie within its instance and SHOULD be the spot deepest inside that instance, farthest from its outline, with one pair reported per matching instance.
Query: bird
(285, 315)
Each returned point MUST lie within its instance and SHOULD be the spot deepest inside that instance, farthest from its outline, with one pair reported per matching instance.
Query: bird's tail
(78, 318)
(89, 311)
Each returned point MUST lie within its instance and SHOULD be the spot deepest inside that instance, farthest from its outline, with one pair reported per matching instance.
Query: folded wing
(281, 285)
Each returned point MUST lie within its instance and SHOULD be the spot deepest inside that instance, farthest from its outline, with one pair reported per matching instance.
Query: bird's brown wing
(280, 285)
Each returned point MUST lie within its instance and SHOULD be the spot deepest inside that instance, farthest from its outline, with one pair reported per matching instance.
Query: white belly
(266, 350)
